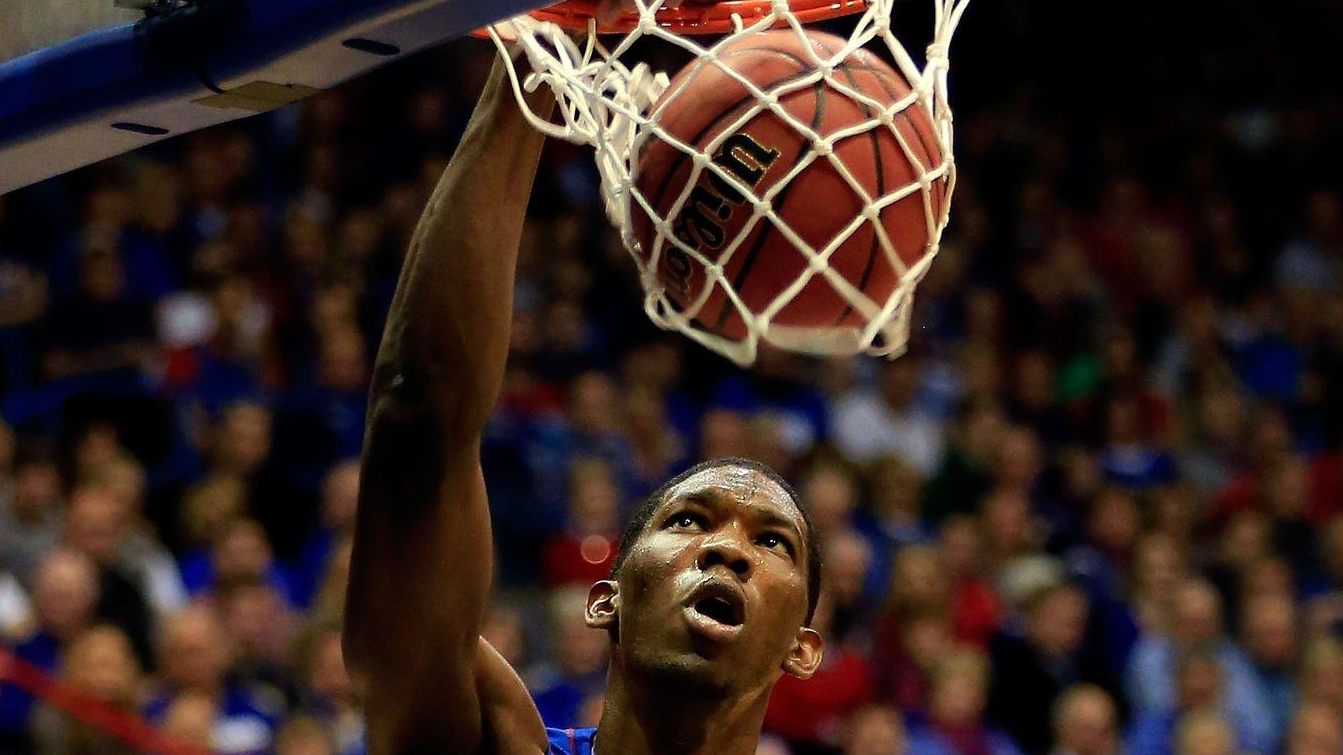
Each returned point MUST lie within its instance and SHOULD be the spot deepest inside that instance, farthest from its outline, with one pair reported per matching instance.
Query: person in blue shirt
(712, 589)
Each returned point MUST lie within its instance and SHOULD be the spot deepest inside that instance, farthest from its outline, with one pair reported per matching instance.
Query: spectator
(303, 736)
(976, 609)
(809, 713)
(831, 494)
(580, 659)
(584, 551)
(99, 663)
(332, 703)
(1315, 730)
(65, 599)
(194, 654)
(29, 513)
(258, 624)
(1269, 629)
(1032, 669)
(240, 551)
(874, 730)
(340, 495)
(1320, 676)
(955, 724)
(889, 420)
(1204, 733)
(1195, 626)
(1085, 722)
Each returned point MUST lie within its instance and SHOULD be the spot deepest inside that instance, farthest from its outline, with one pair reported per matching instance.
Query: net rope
(612, 103)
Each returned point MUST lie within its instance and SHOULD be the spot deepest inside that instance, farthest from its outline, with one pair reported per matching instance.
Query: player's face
(713, 594)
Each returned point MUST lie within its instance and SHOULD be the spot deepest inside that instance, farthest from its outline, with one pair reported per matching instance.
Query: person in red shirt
(582, 553)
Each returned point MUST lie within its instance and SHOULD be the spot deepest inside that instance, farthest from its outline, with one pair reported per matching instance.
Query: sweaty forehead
(741, 486)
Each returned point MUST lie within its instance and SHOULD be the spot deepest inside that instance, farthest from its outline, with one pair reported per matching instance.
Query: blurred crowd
(1097, 508)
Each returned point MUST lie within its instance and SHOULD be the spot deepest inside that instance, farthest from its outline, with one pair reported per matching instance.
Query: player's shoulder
(570, 741)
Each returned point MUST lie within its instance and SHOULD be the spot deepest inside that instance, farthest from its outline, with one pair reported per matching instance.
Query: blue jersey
(570, 741)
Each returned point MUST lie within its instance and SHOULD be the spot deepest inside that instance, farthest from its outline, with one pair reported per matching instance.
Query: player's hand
(610, 10)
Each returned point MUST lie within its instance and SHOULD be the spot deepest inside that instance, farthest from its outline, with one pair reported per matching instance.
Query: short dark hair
(645, 512)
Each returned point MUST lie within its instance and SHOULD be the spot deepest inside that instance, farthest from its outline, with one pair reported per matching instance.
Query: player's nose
(724, 549)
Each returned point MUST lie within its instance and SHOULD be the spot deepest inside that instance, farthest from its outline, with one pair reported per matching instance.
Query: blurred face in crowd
(244, 438)
(1268, 576)
(327, 675)
(194, 650)
(1197, 619)
(594, 498)
(37, 488)
(1205, 734)
(1321, 675)
(343, 366)
(960, 683)
(1058, 620)
(847, 556)
(302, 736)
(712, 594)
(1018, 458)
(959, 545)
(579, 649)
(65, 592)
(190, 717)
(101, 275)
(875, 730)
(1198, 682)
(253, 617)
(895, 491)
(1315, 730)
(1085, 722)
(1158, 567)
(723, 432)
(1270, 630)
(340, 495)
(1287, 489)
(831, 497)
(592, 402)
(98, 446)
(503, 630)
(210, 505)
(96, 522)
(1006, 517)
(241, 550)
(100, 662)
(1115, 521)
(917, 579)
(927, 638)
(1247, 538)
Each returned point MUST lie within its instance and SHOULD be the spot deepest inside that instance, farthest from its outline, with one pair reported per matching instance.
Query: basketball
(817, 203)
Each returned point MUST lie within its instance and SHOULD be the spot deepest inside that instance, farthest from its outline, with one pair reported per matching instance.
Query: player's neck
(652, 719)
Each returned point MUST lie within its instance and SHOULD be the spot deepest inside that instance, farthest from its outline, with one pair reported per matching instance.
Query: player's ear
(603, 605)
(805, 655)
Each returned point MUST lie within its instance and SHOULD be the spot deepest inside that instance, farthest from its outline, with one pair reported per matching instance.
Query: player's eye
(686, 520)
(775, 541)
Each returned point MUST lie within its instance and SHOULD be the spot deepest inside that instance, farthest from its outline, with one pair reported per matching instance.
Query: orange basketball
(817, 203)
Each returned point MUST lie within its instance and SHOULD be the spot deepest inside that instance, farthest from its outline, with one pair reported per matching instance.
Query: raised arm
(420, 574)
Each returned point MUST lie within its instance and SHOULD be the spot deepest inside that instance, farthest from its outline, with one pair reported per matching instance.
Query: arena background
(1097, 509)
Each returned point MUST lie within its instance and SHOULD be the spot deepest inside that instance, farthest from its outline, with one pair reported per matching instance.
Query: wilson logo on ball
(699, 225)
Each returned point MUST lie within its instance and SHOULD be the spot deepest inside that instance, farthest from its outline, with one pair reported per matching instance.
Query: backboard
(92, 80)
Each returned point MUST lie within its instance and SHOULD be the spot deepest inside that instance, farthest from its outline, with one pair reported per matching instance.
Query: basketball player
(715, 580)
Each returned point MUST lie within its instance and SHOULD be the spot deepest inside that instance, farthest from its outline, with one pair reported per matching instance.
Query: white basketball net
(608, 102)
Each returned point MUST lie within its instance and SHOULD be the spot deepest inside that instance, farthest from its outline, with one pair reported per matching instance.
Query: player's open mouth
(716, 610)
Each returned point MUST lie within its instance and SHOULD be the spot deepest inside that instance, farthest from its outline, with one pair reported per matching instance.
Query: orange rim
(696, 18)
